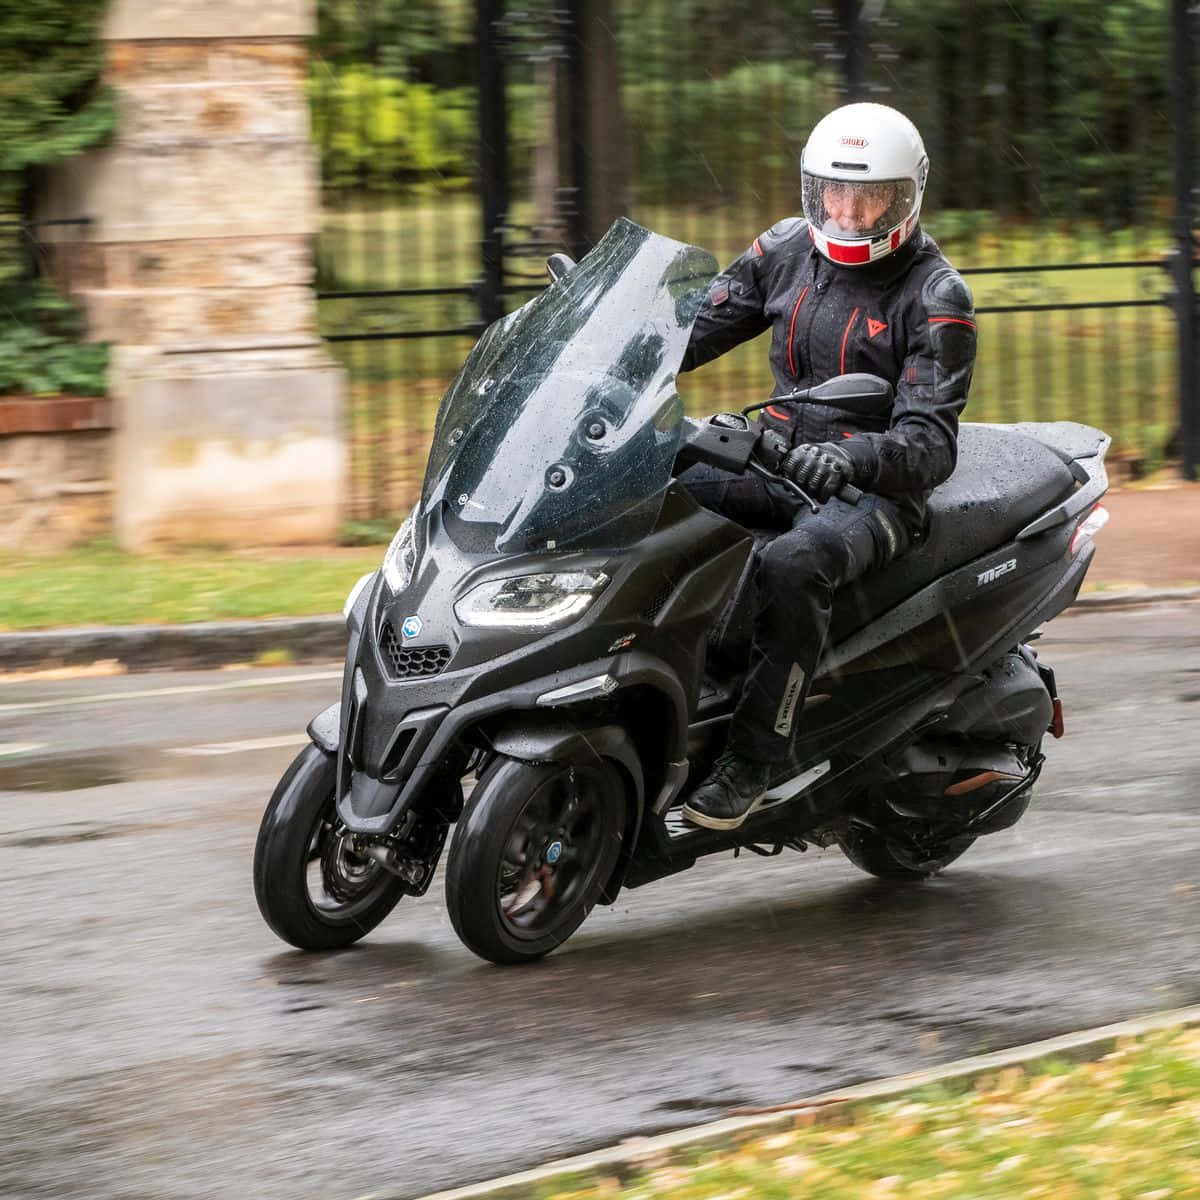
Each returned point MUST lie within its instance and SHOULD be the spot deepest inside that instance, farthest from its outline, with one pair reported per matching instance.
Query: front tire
(312, 887)
(532, 851)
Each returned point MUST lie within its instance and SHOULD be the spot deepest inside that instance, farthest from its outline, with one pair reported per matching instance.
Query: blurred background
(440, 149)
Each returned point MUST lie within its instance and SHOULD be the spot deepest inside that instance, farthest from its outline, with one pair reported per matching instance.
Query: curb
(304, 639)
(638, 1152)
(1132, 598)
(197, 644)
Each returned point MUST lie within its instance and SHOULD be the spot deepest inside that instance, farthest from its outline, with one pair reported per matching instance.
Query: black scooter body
(628, 681)
(922, 730)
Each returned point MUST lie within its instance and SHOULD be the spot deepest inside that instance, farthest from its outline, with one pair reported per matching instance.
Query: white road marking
(12, 749)
(263, 743)
(192, 689)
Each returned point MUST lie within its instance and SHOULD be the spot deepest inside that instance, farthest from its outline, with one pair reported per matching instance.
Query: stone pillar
(198, 267)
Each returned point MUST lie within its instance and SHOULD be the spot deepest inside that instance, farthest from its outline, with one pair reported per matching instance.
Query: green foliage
(40, 351)
(50, 60)
(1037, 109)
(1041, 109)
(50, 108)
(379, 133)
(725, 138)
(401, 37)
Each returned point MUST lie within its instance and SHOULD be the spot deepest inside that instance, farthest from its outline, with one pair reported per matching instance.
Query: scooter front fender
(323, 729)
(533, 738)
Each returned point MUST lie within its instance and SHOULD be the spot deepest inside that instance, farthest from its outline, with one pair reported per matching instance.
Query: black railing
(1051, 188)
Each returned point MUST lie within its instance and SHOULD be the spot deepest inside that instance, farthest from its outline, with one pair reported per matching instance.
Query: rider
(856, 286)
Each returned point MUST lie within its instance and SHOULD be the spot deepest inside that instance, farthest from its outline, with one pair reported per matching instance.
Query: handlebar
(728, 441)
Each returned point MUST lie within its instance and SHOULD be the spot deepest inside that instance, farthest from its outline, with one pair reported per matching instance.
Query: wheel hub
(346, 874)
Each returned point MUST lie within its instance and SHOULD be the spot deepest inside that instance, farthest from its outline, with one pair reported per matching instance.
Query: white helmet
(863, 174)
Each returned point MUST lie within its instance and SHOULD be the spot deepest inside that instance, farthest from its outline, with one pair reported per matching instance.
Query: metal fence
(453, 162)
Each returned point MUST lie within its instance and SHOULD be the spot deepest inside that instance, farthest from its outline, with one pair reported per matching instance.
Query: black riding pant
(796, 575)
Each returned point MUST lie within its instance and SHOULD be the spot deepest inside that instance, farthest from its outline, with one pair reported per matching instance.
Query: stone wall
(55, 471)
(197, 266)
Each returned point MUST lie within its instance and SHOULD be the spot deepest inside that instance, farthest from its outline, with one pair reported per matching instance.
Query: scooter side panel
(947, 625)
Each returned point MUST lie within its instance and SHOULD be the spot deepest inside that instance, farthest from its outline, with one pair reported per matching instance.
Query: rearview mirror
(857, 393)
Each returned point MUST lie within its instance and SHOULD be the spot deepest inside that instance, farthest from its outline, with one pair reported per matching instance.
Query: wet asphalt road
(159, 1042)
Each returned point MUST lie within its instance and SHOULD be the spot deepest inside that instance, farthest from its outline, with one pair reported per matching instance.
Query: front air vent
(408, 662)
(657, 602)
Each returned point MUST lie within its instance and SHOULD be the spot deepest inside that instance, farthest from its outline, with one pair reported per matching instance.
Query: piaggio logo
(994, 573)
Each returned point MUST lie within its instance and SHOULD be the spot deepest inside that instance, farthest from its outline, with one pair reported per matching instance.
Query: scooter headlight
(531, 601)
(401, 557)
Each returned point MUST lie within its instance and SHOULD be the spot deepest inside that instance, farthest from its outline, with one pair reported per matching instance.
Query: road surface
(159, 1041)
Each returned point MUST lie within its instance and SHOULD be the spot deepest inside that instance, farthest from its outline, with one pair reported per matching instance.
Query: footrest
(677, 825)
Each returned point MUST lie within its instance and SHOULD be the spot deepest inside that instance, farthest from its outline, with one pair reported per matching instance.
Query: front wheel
(313, 888)
(532, 851)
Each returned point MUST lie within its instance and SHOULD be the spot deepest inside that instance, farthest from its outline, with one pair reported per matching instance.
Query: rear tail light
(1056, 724)
(1088, 527)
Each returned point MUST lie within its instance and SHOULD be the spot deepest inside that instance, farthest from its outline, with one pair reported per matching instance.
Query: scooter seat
(1002, 481)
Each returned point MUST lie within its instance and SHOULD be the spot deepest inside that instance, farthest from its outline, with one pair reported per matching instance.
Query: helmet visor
(853, 208)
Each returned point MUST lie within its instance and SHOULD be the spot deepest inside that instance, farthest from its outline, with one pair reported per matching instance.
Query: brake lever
(767, 473)
(847, 491)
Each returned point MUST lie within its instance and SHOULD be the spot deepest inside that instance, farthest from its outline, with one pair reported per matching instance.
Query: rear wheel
(914, 832)
(532, 851)
(312, 886)
(901, 855)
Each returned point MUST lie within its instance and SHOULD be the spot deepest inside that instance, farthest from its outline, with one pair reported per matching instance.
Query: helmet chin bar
(857, 252)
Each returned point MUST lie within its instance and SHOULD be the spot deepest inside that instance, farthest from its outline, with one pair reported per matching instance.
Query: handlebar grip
(849, 493)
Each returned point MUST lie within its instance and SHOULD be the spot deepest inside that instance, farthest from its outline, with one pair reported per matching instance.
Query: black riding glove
(822, 471)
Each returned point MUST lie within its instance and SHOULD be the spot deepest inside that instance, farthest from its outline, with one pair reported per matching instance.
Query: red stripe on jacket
(792, 330)
(845, 336)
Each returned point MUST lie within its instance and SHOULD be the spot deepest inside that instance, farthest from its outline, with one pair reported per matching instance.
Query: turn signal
(1056, 725)
(1088, 527)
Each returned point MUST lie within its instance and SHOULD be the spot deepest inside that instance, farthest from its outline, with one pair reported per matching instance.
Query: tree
(51, 107)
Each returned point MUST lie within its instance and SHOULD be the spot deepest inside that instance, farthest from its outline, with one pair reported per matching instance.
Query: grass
(1114, 368)
(1126, 1126)
(98, 584)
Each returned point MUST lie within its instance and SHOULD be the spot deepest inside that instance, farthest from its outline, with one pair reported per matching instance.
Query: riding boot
(734, 788)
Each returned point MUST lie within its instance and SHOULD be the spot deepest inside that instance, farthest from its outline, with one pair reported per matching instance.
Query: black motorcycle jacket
(908, 318)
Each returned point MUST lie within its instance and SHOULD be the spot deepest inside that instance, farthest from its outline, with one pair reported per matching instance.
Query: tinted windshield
(561, 428)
